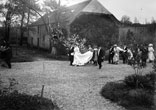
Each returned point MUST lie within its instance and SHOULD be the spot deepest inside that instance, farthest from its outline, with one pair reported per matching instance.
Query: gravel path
(72, 88)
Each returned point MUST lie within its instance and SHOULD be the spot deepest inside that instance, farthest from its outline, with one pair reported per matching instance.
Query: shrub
(113, 91)
(18, 101)
(134, 91)
(140, 97)
(140, 81)
(11, 99)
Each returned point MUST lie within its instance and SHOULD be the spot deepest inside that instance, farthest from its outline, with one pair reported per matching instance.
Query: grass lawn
(72, 88)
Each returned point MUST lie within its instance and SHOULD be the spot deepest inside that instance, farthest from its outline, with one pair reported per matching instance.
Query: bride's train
(82, 59)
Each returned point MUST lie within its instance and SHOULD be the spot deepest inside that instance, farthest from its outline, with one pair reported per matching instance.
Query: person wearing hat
(116, 53)
(100, 58)
(151, 56)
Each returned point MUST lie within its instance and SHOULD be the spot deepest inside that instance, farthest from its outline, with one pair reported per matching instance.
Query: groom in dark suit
(100, 56)
(71, 54)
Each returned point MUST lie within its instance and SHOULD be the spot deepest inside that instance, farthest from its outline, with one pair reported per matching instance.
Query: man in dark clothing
(111, 55)
(144, 55)
(100, 56)
(71, 54)
(6, 53)
(125, 55)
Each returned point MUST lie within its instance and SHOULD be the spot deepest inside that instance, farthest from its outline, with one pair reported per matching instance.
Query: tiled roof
(89, 6)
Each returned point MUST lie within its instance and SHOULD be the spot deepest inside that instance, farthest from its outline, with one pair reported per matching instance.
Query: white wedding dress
(81, 59)
(151, 56)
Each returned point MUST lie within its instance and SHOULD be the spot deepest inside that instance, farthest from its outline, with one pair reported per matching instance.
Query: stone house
(70, 19)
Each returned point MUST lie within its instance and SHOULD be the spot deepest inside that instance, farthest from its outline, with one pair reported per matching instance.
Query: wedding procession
(139, 55)
(77, 55)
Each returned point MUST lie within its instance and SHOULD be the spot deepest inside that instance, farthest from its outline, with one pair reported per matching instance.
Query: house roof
(95, 7)
(89, 6)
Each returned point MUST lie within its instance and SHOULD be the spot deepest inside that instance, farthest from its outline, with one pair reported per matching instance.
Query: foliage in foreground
(11, 99)
(140, 81)
(18, 101)
(134, 91)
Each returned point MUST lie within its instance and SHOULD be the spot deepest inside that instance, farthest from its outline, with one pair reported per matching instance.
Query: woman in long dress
(81, 59)
(116, 54)
(151, 56)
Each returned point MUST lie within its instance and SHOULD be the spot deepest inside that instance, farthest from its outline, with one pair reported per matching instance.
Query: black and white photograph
(77, 54)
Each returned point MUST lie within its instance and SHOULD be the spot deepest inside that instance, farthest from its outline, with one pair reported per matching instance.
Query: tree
(24, 10)
(126, 19)
(130, 39)
(7, 11)
(96, 29)
(15, 12)
(136, 20)
(153, 20)
(56, 31)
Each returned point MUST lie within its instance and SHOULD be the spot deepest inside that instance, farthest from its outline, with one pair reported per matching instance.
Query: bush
(140, 97)
(140, 81)
(11, 99)
(18, 101)
(134, 91)
(113, 91)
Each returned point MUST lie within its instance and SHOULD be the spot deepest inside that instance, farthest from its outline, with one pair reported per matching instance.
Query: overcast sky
(143, 10)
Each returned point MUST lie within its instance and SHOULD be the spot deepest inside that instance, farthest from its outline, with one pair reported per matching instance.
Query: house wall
(140, 33)
(38, 37)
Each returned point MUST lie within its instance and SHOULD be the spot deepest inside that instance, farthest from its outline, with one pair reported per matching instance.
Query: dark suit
(144, 56)
(71, 56)
(111, 55)
(95, 56)
(6, 53)
(100, 57)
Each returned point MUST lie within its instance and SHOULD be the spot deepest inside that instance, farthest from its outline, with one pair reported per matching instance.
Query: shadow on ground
(25, 54)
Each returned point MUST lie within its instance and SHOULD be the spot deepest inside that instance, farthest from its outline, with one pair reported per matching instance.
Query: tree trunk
(155, 96)
(7, 33)
(28, 25)
(7, 26)
(37, 13)
(21, 28)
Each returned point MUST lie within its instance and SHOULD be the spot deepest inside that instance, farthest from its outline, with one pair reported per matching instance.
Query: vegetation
(136, 91)
(17, 13)
(11, 99)
(136, 81)
(126, 19)
(96, 29)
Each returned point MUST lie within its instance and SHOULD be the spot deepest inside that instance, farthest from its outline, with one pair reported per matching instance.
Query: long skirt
(151, 56)
(82, 59)
(116, 58)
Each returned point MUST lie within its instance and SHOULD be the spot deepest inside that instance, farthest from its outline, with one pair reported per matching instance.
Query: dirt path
(72, 88)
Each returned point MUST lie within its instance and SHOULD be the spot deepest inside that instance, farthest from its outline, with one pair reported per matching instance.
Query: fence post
(42, 91)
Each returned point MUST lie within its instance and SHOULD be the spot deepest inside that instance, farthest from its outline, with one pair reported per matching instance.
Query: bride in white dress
(81, 59)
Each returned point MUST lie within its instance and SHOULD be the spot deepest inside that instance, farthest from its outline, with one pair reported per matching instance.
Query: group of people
(137, 55)
(5, 54)
(95, 55)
